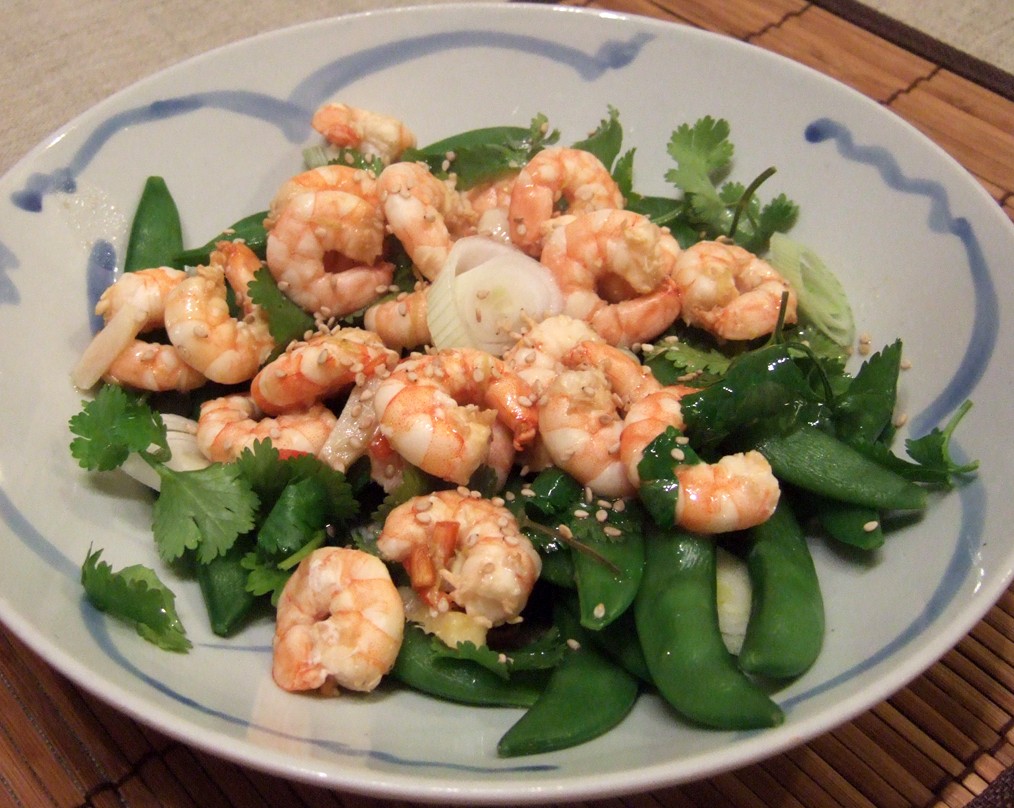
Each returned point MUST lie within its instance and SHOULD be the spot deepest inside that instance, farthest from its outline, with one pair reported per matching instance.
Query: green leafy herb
(286, 320)
(605, 142)
(136, 595)
(114, 424)
(249, 229)
(204, 510)
(932, 451)
(482, 155)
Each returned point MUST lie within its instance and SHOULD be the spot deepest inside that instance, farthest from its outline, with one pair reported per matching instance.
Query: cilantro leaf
(932, 451)
(605, 142)
(703, 155)
(136, 595)
(204, 510)
(286, 320)
(114, 424)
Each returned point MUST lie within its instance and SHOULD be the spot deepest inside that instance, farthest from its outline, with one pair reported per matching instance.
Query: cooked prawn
(199, 323)
(614, 269)
(153, 366)
(129, 307)
(573, 175)
(738, 492)
(230, 424)
(537, 355)
(730, 292)
(463, 552)
(646, 419)
(401, 321)
(324, 250)
(145, 291)
(332, 177)
(322, 366)
(372, 133)
(582, 412)
(580, 427)
(437, 410)
(340, 621)
(490, 203)
(629, 380)
(423, 212)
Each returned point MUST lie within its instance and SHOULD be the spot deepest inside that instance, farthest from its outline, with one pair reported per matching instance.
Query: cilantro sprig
(135, 595)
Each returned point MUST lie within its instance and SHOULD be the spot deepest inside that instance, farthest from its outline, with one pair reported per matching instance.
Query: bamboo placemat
(939, 742)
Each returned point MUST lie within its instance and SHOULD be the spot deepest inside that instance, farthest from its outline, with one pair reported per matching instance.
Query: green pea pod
(223, 587)
(786, 627)
(249, 229)
(586, 696)
(607, 584)
(818, 462)
(156, 235)
(423, 668)
(619, 642)
(676, 614)
(856, 525)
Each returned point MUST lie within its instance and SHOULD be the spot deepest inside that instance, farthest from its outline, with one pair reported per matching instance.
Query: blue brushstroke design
(986, 322)
(292, 116)
(100, 273)
(98, 628)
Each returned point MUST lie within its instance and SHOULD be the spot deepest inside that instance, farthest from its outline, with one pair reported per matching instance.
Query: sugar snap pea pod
(461, 680)
(586, 695)
(619, 642)
(676, 613)
(608, 581)
(857, 525)
(223, 586)
(156, 234)
(786, 627)
(250, 229)
(815, 461)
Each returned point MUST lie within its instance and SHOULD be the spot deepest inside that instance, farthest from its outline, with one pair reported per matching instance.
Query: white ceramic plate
(919, 246)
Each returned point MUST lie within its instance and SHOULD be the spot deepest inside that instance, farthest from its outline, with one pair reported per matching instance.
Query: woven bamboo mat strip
(939, 742)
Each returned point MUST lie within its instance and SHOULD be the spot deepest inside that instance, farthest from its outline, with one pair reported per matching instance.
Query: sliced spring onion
(822, 299)
(181, 435)
(107, 344)
(486, 291)
(735, 594)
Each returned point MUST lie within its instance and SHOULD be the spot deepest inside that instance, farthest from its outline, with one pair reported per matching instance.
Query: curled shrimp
(738, 492)
(230, 424)
(340, 621)
(153, 366)
(646, 419)
(401, 321)
(581, 414)
(580, 428)
(537, 355)
(490, 203)
(437, 410)
(730, 292)
(555, 174)
(614, 269)
(320, 367)
(133, 305)
(463, 552)
(200, 325)
(372, 133)
(324, 252)
(350, 180)
(422, 211)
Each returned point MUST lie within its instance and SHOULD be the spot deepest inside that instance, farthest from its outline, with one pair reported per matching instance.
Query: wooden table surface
(940, 741)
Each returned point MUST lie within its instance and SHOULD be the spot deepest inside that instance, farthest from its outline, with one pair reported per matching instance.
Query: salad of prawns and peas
(558, 550)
